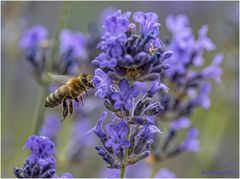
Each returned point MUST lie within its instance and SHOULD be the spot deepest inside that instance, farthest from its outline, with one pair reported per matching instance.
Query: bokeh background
(219, 126)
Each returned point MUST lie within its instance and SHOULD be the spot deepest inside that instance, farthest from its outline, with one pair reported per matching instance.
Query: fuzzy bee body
(74, 88)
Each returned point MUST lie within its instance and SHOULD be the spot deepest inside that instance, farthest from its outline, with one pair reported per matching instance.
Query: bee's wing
(60, 79)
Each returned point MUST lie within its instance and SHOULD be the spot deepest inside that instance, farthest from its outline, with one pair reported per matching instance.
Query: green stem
(64, 12)
(123, 169)
(40, 110)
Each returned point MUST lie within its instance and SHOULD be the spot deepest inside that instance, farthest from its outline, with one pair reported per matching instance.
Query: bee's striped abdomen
(56, 97)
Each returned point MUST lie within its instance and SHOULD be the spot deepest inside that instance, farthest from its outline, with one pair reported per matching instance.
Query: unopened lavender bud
(146, 69)
(155, 57)
(150, 77)
(121, 154)
(117, 165)
(109, 159)
(101, 151)
(18, 172)
(148, 145)
(140, 120)
(154, 109)
(141, 58)
(139, 157)
(109, 105)
(127, 60)
(167, 54)
(165, 66)
(171, 135)
(139, 146)
(48, 173)
(141, 105)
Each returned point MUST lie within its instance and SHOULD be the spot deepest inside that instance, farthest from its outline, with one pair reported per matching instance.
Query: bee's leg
(65, 109)
(76, 99)
(70, 108)
(81, 99)
(85, 91)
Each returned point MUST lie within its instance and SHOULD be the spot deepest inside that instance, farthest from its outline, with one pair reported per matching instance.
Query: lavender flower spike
(33, 38)
(41, 163)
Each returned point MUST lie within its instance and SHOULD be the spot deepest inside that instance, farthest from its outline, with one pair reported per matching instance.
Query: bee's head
(86, 80)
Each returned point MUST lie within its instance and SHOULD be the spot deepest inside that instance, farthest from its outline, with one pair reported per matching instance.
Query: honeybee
(72, 88)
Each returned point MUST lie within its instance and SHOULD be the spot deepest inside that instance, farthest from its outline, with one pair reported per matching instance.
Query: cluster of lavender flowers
(72, 50)
(188, 79)
(127, 64)
(34, 42)
(41, 163)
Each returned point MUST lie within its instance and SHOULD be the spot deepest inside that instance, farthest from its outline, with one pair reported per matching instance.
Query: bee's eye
(84, 81)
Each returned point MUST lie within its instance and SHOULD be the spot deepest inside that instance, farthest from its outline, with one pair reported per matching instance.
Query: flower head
(123, 98)
(115, 27)
(41, 147)
(33, 37)
(148, 22)
(74, 43)
(127, 55)
(41, 163)
(117, 136)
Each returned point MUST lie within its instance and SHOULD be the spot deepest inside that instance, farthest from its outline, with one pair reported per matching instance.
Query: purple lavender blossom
(214, 71)
(177, 24)
(98, 129)
(147, 132)
(191, 143)
(156, 86)
(102, 83)
(165, 173)
(202, 98)
(117, 136)
(41, 163)
(180, 123)
(126, 63)
(33, 38)
(148, 25)
(148, 22)
(123, 98)
(73, 49)
(115, 27)
(74, 43)
(41, 147)
(34, 42)
(114, 142)
(127, 55)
